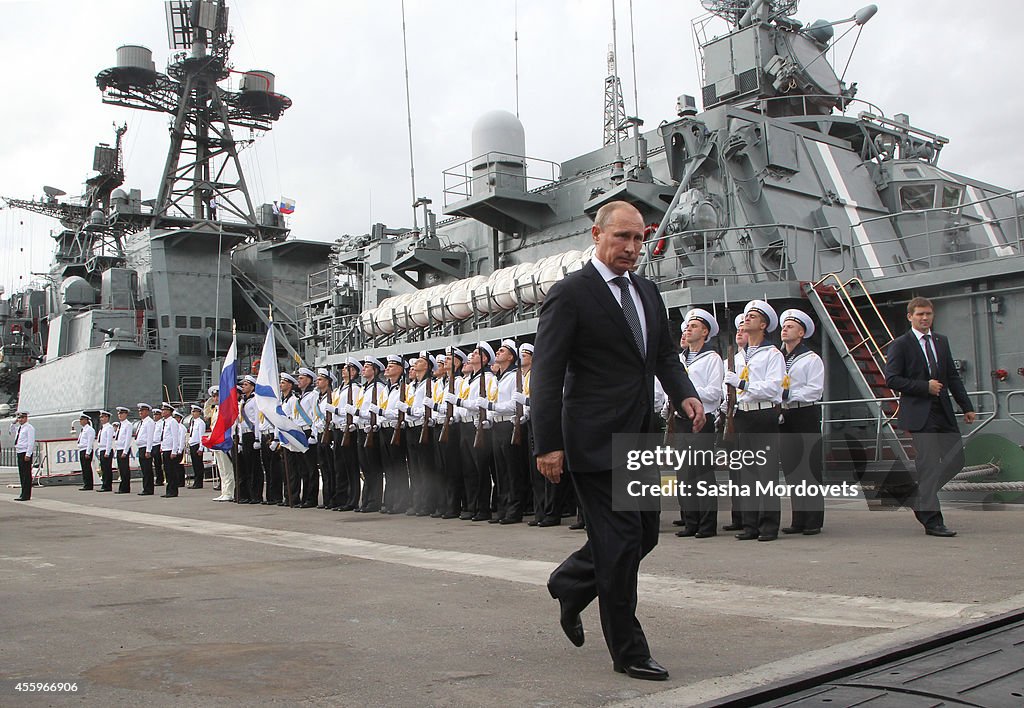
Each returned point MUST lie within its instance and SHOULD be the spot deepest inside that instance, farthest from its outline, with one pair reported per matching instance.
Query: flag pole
(231, 430)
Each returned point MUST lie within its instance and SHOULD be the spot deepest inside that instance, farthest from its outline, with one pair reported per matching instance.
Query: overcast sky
(342, 150)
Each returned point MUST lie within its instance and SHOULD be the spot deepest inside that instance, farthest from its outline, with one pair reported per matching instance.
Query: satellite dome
(499, 132)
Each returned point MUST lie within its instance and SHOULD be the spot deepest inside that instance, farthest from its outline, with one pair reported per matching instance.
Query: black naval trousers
(294, 464)
(800, 455)
(373, 470)
(419, 491)
(310, 474)
(198, 468)
(85, 461)
(510, 471)
(248, 458)
(396, 472)
(699, 511)
(759, 430)
(25, 476)
(272, 462)
(325, 459)
(158, 465)
(450, 461)
(171, 474)
(146, 468)
(106, 472)
(346, 470)
(477, 467)
(124, 472)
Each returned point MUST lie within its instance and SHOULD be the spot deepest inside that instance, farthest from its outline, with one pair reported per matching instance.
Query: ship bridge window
(914, 197)
(180, 322)
(951, 195)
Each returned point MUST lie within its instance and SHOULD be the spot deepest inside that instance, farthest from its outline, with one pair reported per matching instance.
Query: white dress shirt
(86, 439)
(25, 440)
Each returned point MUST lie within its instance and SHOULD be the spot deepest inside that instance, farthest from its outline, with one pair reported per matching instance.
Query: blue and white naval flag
(269, 402)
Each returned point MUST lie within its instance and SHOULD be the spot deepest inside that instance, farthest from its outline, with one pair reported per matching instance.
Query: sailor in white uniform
(105, 447)
(123, 450)
(86, 443)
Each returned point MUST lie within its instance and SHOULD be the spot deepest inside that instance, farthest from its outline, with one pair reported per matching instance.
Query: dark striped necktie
(629, 310)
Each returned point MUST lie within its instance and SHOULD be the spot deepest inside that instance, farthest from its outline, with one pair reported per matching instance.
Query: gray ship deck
(169, 602)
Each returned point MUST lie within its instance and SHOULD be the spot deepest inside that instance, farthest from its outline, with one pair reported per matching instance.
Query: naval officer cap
(305, 371)
(197, 408)
(801, 317)
(123, 409)
(704, 317)
(106, 413)
(178, 414)
(511, 346)
(166, 406)
(144, 406)
(765, 310)
(285, 376)
(83, 415)
(487, 349)
(526, 348)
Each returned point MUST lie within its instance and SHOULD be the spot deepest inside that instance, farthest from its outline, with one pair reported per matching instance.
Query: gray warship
(786, 185)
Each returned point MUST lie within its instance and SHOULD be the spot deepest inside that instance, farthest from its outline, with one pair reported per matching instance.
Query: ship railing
(878, 421)
(1016, 416)
(843, 104)
(498, 169)
(999, 236)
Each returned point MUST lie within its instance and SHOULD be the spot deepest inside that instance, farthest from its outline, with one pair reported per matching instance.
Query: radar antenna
(614, 109)
(202, 178)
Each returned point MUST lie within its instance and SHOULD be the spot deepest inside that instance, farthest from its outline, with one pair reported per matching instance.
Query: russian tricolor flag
(227, 412)
(286, 206)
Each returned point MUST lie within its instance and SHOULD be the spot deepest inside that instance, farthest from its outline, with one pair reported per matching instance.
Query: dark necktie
(933, 366)
(629, 310)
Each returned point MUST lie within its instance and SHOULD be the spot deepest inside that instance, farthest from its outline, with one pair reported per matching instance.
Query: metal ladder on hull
(860, 335)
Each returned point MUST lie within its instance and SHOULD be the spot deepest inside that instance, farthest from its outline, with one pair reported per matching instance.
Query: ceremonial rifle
(730, 399)
(373, 416)
(427, 395)
(346, 439)
(396, 438)
(443, 437)
(517, 426)
(478, 441)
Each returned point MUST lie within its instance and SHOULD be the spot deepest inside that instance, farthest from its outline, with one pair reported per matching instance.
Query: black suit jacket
(589, 380)
(906, 372)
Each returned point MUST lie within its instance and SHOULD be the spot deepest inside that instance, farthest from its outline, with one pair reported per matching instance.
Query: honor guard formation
(449, 435)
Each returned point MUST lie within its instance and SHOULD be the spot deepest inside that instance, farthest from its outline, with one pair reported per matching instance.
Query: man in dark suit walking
(604, 335)
(919, 366)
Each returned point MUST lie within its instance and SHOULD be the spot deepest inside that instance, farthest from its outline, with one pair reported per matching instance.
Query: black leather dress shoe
(435, 515)
(685, 533)
(480, 517)
(647, 669)
(678, 522)
(746, 536)
(811, 532)
(507, 520)
(307, 505)
(103, 490)
(544, 523)
(732, 527)
(705, 534)
(940, 531)
(449, 516)
(767, 537)
(793, 529)
(532, 522)
(145, 494)
(577, 527)
(85, 489)
(22, 498)
(570, 622)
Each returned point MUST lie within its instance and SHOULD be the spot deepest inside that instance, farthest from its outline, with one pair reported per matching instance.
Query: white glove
(451, 398)
(311, 439)
(373, 409)
(475, 403)
(523, 419)
(256, 445)
(402, 407)
(353, 428)
(732, 379)
(487, 425)
(519, 398)
(274, 444)
(350, 409)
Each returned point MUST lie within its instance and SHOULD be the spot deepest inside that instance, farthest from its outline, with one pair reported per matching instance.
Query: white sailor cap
(765, 310)
(250, 378)
(166, 406)
(213, 390)
(352, 361)
(375, 361)
(197, 408)
(488, 350)
(85, 415)
(460, 355)
(123, 409)
(106, 413)
(325, 373)
(431, 359)
(304, 371)
(801, 317)
(144, 406)
(178, 414)
(395, 359)
(441, 359)
(702, 316)
(526, 348)
(511, 346)
(738, 322)
(285, 376)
